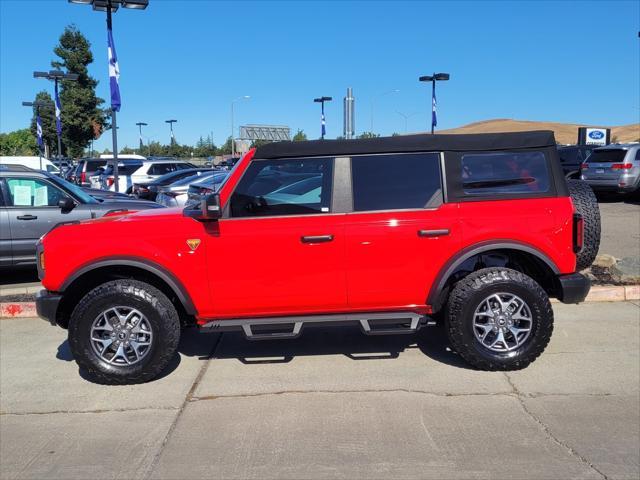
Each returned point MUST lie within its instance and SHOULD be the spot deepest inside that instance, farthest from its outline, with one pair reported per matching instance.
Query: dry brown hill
(564, 132)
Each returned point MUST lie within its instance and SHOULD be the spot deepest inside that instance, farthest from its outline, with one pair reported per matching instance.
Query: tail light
(83, 177)
(584, 166)
(621, 166)
(109, 181)
(578, 232)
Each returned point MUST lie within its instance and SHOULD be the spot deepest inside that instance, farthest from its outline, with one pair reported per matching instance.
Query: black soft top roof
(409, 143)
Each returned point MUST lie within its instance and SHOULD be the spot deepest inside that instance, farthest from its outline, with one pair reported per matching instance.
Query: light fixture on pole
(56, 76)
(173, 138)
(374, 98)
(233, 133)
(436, 77)
(37, 104)
(321, 100)
(406, 118)
(111, 6)
(140, 125)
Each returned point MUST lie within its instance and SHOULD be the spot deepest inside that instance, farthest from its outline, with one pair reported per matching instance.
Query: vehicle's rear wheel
(499, 319)
(586, 204)
(124, 332)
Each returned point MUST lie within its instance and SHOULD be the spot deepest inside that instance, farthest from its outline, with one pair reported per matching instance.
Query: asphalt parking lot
(331, 404)
(620, 227)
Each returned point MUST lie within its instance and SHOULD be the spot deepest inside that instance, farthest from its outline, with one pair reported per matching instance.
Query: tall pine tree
(82, 117)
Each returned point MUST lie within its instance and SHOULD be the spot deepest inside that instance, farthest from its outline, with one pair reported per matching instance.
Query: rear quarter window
(511, 173)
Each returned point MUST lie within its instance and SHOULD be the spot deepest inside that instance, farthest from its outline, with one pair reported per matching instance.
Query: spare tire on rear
(586, 204)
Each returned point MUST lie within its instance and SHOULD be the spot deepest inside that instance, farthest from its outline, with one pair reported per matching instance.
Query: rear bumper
(573, 288)
(47, 305)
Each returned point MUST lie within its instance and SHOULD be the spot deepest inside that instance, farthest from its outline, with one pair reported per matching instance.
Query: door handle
(316, 238)
(26, 217)
(433, 233)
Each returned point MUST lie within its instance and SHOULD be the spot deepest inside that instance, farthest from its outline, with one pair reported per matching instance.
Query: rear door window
(396, 181)
(608, 155)
(31, 192)
(161, 168)
(517, 173)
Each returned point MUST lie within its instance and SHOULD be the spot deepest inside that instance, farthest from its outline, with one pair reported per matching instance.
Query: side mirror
(209, 209)
(66, 204)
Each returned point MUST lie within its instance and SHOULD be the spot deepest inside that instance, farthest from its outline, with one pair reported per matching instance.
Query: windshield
(74, 189)
(608, 155)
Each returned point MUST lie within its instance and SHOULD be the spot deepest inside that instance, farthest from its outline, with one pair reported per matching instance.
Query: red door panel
(389, 264)
(267, 269)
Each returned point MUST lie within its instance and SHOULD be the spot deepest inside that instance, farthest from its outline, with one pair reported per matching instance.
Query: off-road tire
(151, 302)
(586, 204)
(467, 295)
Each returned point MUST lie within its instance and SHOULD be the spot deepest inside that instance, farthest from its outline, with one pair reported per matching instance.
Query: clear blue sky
(557, 61)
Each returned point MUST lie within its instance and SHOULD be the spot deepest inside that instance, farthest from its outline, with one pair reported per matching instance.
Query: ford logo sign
(596, 135)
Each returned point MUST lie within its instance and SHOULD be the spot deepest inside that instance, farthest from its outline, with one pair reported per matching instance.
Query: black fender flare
(158, 270)
(435, 298)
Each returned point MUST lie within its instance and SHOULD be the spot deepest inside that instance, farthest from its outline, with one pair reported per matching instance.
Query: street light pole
(406, 118)
(233, 133)
(37, 104)
(374, 98)
(172, 140)
(57, 75)
(433, 79)
(321, 101)
(140, 125)
(111, 6)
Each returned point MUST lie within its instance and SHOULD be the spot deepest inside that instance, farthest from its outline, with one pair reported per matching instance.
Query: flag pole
(114, 126)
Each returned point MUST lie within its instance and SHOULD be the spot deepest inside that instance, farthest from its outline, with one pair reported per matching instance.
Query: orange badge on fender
(193, 243)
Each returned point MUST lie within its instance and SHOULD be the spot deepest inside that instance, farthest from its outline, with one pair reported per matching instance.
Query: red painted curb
(18, 310)
(599, 293)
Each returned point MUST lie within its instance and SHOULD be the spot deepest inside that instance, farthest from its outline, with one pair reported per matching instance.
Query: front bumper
(573, 288)
(47, 305)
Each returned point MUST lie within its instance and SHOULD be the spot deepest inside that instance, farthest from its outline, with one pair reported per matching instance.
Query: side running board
(387, 323)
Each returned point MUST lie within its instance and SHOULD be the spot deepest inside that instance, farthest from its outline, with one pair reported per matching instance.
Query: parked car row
(611, 168)
(33, 202)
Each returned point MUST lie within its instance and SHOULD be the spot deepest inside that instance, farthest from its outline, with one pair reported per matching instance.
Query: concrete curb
(599, 293)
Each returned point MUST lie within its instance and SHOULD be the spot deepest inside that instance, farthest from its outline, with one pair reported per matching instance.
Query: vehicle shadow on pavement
(347, 341)
(314, 341)
(604, 197)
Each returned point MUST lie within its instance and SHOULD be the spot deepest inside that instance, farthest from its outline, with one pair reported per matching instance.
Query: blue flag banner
(114, 74)
(39, 130)
(58, 109)
(324, 128)
(434, 117)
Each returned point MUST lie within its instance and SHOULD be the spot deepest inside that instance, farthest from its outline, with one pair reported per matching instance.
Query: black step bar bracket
(407, 323)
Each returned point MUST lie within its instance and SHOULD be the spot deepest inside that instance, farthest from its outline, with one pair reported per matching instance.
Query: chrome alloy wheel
(502, 322)
(121, 336)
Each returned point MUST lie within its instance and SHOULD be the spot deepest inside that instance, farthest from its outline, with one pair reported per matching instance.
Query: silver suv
(613, 168)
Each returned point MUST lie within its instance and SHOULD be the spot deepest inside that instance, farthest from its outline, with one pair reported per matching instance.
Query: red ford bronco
(391, 234)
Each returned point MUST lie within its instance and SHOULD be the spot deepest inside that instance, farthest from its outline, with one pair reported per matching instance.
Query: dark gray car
(33, 202)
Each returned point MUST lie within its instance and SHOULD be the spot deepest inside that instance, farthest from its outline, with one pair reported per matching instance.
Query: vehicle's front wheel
(499, 319)
(124, 332)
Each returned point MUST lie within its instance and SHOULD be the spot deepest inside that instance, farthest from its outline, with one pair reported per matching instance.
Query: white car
(132, 171)
(35, 163)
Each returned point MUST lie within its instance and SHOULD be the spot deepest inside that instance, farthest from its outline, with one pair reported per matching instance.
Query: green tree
(82, 117)
(259, 143)
(300, 136)
(17, 143)
(368, 135)
(48, 121)
(226, 148)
